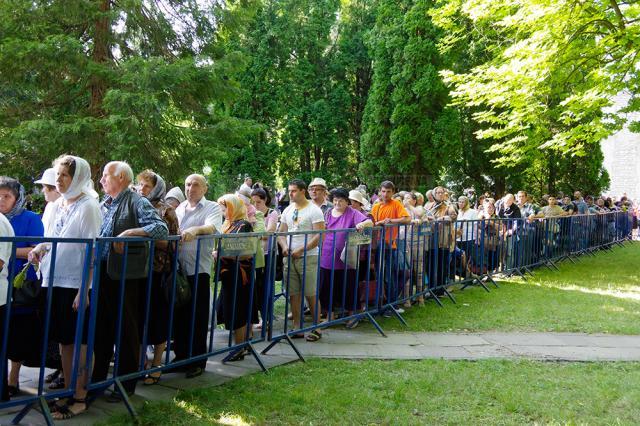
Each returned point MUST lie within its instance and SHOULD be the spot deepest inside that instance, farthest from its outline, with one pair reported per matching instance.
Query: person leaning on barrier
(300, 260)
(487, 238)
(125, 214)
(344, 288)
(444, 215)
(388, 211)
(236, 309)
(75, 215)
(152, 187)
(25, 328)
(262, 200)
(5, 256)
(197, 216)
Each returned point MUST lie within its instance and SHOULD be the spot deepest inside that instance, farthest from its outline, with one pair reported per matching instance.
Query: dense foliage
(487, 93)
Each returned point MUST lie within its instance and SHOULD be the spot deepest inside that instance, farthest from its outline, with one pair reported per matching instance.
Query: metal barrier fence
(143, 292)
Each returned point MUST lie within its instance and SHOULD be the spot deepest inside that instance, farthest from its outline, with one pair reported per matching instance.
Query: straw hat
(318, 182)
(48, 177)
(356, 195)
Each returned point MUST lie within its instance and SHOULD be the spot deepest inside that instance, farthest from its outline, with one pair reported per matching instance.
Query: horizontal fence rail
(141, 292)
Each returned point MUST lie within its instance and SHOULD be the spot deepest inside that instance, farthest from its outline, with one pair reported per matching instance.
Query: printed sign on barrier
(243, 246)
(360, 238)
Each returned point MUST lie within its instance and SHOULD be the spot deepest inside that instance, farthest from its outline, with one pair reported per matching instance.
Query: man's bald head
(195, 187)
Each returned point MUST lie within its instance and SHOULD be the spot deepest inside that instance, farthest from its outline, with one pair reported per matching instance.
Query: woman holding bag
(341, 216)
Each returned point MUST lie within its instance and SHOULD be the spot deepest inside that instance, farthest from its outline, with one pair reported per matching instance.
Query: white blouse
(81, 219)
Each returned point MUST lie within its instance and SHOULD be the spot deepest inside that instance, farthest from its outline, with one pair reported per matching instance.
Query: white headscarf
(81, 183)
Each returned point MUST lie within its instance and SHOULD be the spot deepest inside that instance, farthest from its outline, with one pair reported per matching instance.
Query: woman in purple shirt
(343, 292)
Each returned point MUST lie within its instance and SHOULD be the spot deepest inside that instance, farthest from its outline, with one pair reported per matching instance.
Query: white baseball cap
(48, 177)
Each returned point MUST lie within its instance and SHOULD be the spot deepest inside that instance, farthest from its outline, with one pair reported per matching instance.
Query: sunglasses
(295, 216)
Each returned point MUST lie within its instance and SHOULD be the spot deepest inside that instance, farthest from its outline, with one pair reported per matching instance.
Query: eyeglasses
(295, 216)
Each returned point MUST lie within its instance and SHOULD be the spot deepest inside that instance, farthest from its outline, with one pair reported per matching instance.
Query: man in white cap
(51, 194)
(318, 193)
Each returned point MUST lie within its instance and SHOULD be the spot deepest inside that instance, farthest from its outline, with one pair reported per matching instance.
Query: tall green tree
(144, 81)
(408, 126)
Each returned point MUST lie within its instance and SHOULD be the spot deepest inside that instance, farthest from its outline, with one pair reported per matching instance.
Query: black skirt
(236, 312)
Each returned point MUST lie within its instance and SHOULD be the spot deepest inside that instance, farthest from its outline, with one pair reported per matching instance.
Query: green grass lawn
(597, 295)
(328, 392)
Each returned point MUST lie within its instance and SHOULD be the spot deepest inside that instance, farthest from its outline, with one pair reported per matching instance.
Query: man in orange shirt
(388, 211)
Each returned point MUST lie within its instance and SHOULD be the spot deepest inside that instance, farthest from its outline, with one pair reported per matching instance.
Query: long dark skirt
(344, 292)
(235, 301)
(158, 312)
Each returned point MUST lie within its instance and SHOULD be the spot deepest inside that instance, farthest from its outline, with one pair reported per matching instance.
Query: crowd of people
(317, 268)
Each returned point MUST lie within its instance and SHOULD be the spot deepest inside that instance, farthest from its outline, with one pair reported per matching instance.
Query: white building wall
(622, 157)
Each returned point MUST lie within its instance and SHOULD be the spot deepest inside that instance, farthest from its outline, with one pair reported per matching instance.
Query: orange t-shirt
(392, 210)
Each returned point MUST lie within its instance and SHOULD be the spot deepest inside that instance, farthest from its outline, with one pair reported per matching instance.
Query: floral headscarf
(235, 211)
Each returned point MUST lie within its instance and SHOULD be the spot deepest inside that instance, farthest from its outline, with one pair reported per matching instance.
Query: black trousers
(106, 328)
(182, 322)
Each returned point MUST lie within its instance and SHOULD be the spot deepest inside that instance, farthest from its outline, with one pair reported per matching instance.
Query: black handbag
(183, 288)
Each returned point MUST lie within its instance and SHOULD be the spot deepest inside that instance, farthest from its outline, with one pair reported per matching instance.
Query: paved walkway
(367, 345)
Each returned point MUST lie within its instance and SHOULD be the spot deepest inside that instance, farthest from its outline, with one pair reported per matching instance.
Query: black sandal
(64, 412)
(238, 356)
(151, 380)
(314, 336)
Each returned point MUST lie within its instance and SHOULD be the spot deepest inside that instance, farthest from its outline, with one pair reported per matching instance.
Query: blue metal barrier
(384, 269)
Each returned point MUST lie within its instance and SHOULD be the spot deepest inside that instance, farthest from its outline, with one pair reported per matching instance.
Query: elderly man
(196, 216)
(318, 193)
(125, 214)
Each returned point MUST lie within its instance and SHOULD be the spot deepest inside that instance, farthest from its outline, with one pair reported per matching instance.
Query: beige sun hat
(356, 195)
(318, 182)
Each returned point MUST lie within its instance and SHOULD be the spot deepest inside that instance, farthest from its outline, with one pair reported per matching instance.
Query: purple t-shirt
(349, 219)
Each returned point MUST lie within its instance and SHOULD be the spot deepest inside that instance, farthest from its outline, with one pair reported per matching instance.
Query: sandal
(56, 404)
(65, 413)
(57, 383)
(150, 379)
(314, 336)
(238, 356)
(352, 323)
(51, 377)
(13, 390)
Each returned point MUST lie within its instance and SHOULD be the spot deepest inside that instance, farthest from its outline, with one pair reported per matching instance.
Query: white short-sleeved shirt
(205, 213)
(469, 228)
(6, 230)
(306, 218)
(81, 219)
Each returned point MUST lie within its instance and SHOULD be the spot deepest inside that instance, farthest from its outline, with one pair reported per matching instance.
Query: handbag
(183, 289)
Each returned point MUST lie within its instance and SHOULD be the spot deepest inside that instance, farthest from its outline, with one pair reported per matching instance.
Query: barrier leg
(375, 323)
(434, 296)
(125, 398)
(449, 295)
(289, 341)
(395, 312)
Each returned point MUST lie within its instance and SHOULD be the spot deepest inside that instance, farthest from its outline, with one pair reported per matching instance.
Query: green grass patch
(597, 295)
(328, 392)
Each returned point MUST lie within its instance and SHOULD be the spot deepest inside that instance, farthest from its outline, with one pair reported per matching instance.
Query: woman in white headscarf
(77, 215)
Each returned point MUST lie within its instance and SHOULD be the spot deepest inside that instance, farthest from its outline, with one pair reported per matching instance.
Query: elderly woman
(465, 231)
(25, 328)
(152, 187)
(235, 309)
(343, 292)
(76, 215)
